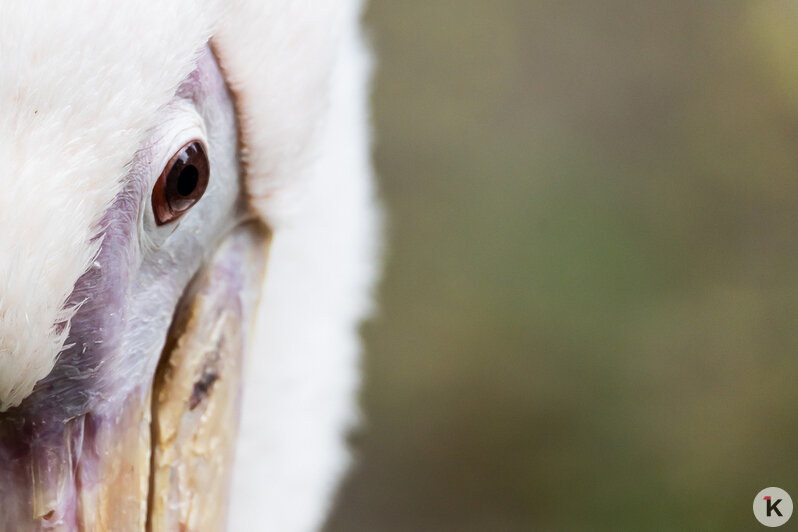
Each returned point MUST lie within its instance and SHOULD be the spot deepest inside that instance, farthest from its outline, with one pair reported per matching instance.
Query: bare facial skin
(133, 428)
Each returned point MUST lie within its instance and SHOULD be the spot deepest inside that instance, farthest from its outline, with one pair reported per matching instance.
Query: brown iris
(181, 184)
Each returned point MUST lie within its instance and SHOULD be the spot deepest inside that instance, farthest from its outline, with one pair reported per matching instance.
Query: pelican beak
(196, 392)
(162, 461)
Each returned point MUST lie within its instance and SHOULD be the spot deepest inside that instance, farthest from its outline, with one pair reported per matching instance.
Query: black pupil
(187, 180)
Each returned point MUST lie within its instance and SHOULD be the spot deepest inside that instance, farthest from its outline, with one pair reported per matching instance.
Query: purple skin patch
(126, 303)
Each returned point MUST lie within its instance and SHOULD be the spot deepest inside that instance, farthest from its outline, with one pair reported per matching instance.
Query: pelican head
(186, 248)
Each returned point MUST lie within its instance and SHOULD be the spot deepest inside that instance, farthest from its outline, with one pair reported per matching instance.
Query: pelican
(188, 241)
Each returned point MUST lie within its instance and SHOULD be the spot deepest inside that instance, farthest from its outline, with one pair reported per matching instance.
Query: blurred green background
(589, 316)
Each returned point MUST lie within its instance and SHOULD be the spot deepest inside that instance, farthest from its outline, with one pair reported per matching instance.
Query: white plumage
(299, 396)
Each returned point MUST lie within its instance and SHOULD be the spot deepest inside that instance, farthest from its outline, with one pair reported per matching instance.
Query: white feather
(303, 372)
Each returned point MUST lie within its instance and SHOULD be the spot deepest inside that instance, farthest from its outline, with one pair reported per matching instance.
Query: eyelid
(171, 142)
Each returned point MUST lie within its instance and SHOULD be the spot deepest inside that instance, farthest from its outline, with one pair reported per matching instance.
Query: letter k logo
(772, 506)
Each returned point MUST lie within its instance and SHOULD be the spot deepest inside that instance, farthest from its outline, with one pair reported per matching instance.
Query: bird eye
(181, 184)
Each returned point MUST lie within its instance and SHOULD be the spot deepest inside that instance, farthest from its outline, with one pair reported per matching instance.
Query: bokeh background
(589, 316)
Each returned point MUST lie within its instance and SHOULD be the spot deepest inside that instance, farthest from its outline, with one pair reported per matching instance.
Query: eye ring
(182, 182)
